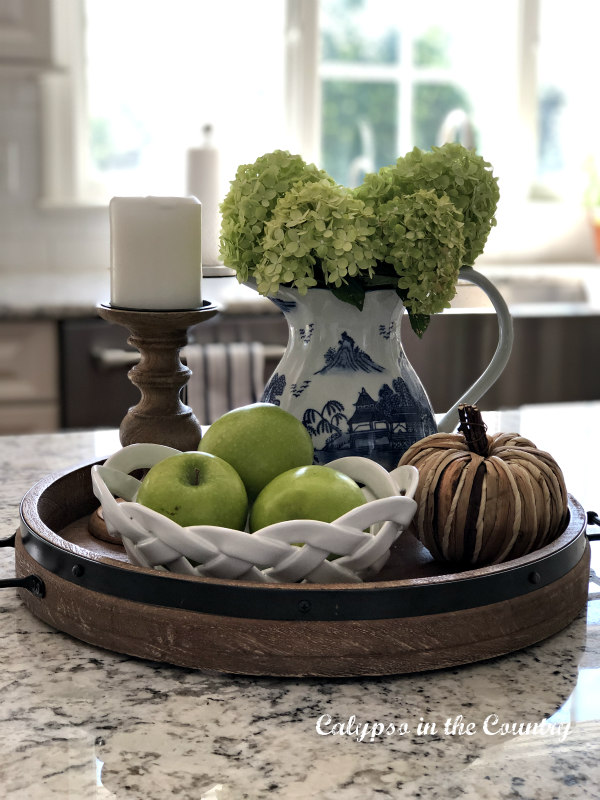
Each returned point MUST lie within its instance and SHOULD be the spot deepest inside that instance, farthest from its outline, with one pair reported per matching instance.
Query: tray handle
(10, 541)
(33, 583)
(593, 519)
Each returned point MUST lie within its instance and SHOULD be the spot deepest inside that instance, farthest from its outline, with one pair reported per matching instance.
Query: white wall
(33, 239)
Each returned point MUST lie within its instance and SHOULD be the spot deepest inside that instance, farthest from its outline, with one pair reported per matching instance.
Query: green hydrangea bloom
(450, 170)
(422, 236)
(250, 201)
(319, 235)
(410, 226)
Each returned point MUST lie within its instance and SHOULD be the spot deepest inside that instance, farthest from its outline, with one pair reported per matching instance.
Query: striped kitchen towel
(225, 375)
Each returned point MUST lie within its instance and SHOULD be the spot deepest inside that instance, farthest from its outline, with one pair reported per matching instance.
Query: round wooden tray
(417, 615)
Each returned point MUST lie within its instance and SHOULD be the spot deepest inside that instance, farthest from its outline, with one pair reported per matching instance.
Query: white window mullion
(303, 88)
(527, 58)
(365, 73)
(405, 92)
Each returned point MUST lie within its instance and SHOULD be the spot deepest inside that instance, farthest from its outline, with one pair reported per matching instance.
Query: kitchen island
(80, 722)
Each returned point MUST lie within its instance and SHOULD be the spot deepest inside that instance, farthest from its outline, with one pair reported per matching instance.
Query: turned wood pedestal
(160, 416)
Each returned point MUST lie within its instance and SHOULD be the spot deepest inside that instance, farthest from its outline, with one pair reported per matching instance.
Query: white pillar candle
(156, 253)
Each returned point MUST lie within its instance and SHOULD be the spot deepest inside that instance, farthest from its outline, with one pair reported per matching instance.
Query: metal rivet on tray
(77, 571)
(534, 577)
(304, 606)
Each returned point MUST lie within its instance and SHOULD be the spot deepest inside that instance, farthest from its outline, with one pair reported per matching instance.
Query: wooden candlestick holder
(160, 416)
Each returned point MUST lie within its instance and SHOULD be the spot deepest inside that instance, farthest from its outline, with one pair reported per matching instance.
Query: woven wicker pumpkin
(485, 499)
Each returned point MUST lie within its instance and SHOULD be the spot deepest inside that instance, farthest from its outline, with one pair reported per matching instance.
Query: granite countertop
(80, 722)
(529, 290)
(37, 296)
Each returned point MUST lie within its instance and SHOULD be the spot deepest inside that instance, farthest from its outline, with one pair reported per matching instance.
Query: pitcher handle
(449, 421)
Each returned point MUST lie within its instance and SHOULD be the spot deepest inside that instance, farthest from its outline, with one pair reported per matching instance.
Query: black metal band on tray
(368, 601)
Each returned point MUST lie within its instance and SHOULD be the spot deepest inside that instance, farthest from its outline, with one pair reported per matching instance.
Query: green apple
(196, 489)
(315, 492)
(260, 441)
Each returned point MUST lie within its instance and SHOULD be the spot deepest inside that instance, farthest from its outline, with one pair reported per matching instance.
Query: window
(504, 77)
(351, 84)
(388, 87)
(139, 82)
(158, 73)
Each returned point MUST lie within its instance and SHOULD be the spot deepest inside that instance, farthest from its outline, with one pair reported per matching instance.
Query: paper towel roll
(203, 183)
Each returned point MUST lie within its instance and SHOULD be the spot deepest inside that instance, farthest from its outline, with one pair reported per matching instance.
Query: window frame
(63, 115)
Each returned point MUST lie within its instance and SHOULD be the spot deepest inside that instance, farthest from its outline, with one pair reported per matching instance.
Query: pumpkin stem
(473, 429)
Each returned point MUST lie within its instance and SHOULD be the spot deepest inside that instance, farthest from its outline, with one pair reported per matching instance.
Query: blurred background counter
(63, 367)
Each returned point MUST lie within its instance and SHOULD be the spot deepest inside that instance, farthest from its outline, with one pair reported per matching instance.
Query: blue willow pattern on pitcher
(345, 375)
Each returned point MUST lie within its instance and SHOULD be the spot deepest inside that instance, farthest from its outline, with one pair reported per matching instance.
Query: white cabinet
(29, 392)
(25, 32)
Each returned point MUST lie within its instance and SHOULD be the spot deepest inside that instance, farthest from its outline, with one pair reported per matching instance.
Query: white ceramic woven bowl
(270, 554)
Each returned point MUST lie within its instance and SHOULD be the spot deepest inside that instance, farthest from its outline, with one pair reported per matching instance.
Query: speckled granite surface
(80, 722)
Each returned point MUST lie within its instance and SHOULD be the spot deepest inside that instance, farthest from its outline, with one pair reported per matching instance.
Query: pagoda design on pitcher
(386, 425)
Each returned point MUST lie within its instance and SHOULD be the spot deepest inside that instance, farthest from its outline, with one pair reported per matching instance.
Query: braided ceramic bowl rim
(271, 554)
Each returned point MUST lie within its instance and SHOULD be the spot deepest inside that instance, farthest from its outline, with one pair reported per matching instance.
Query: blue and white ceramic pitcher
(345, 374)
